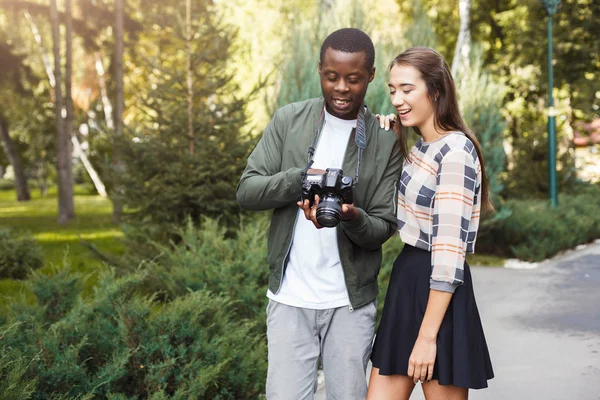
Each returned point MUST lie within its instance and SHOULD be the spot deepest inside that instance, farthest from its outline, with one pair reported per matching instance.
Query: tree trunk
(106, 104)
(69, 107)
(88, 167)
(190, 72)
(43, 179)
(119, 105)
(38, 40)
(463, 42)
(82, 156)
(63, 155)
(15, 160)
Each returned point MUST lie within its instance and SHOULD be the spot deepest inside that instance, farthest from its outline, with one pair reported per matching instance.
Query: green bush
(297, 73)
(123, 345)
(206, 259)
(164, 185)
(19, 254)
(56, 296)
(535, 231)
(527, 175)
(188, 324)
(166, 171)
(13, 368)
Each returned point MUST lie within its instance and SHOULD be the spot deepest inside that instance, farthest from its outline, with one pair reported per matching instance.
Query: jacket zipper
(395, 199)
(287, 254)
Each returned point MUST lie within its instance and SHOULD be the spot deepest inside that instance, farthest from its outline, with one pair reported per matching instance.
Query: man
(323, 281)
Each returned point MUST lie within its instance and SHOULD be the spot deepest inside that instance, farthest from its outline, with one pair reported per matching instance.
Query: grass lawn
(93, 223)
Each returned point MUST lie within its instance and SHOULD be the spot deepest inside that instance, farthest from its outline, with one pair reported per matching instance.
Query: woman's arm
(422, 358)
(454, 203)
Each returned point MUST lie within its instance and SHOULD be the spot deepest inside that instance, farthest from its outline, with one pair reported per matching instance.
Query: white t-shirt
(314, 278)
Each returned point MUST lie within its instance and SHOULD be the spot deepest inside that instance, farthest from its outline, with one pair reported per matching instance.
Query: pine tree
(164, 181)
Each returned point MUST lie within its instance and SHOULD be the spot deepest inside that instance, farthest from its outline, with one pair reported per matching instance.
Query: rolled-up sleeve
(453, 208)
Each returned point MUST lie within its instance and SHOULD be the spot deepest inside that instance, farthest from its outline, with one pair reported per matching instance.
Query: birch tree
(119, 105)
(63, 144)
(77, 150)
(190, 72)
(463, 43)
(66, 181)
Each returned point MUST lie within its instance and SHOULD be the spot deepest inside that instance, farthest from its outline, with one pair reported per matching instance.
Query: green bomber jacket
(272, 180)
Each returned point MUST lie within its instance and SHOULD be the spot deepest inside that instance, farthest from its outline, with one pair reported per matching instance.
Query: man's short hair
(350, 40)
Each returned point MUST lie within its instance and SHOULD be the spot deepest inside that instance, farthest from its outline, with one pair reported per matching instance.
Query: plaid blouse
(439, 204)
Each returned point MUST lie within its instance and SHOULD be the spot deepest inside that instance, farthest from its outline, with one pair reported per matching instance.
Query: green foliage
(536, 231)
(515, 33)
(206, 259)
(19, 254)
(163, 186)
(13, 368)
(391, 249)
(441, 20)
(299, 79)
(165, 175)
(481, 100)
(27, 113)
(121, 344)
(38, 216)
(56, 296)
(527, 176)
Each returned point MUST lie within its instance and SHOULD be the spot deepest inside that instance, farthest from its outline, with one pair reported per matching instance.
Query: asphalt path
(542, 327)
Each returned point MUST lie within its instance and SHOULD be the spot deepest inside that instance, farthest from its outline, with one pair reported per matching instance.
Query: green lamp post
(551, 6)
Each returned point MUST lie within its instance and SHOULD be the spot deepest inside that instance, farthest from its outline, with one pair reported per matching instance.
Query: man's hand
(349, 212)
(386, 121)
(310, 212)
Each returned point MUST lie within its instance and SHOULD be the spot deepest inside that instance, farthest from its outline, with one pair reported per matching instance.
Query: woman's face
(409, 96)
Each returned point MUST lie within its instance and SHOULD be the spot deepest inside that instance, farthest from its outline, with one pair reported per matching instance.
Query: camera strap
(360, 138)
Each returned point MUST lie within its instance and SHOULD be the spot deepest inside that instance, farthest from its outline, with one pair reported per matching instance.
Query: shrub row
(535, 231)
(188, 325)
(191, 322)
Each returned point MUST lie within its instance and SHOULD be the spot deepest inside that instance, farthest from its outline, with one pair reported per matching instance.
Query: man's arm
(263, 185)
(372, 227)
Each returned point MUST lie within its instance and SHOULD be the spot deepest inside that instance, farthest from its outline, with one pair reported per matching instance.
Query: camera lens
(329, 211)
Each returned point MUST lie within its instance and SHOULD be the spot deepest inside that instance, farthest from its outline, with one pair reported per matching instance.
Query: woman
(430, 329)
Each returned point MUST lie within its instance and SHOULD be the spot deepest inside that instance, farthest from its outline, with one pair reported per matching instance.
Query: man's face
(344, 81)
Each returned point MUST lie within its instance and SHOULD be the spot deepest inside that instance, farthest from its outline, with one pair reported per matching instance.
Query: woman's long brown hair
(442, 93)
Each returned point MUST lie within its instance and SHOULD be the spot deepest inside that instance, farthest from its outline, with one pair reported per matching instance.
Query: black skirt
(462, 357)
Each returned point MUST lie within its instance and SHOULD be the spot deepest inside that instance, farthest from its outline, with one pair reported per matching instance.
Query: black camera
(334, 189)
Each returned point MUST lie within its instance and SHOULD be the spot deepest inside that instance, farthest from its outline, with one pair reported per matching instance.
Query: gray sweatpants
(298, 336)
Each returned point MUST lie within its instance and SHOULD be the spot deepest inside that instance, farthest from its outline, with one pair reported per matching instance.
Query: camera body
(333, 189)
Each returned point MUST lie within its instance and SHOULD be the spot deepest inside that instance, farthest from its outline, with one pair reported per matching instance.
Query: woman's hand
(422, 358)
(420, 362)
(386, 121)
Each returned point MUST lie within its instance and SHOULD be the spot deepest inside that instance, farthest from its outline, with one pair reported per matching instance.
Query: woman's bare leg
(388, 387)
(434, 391)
